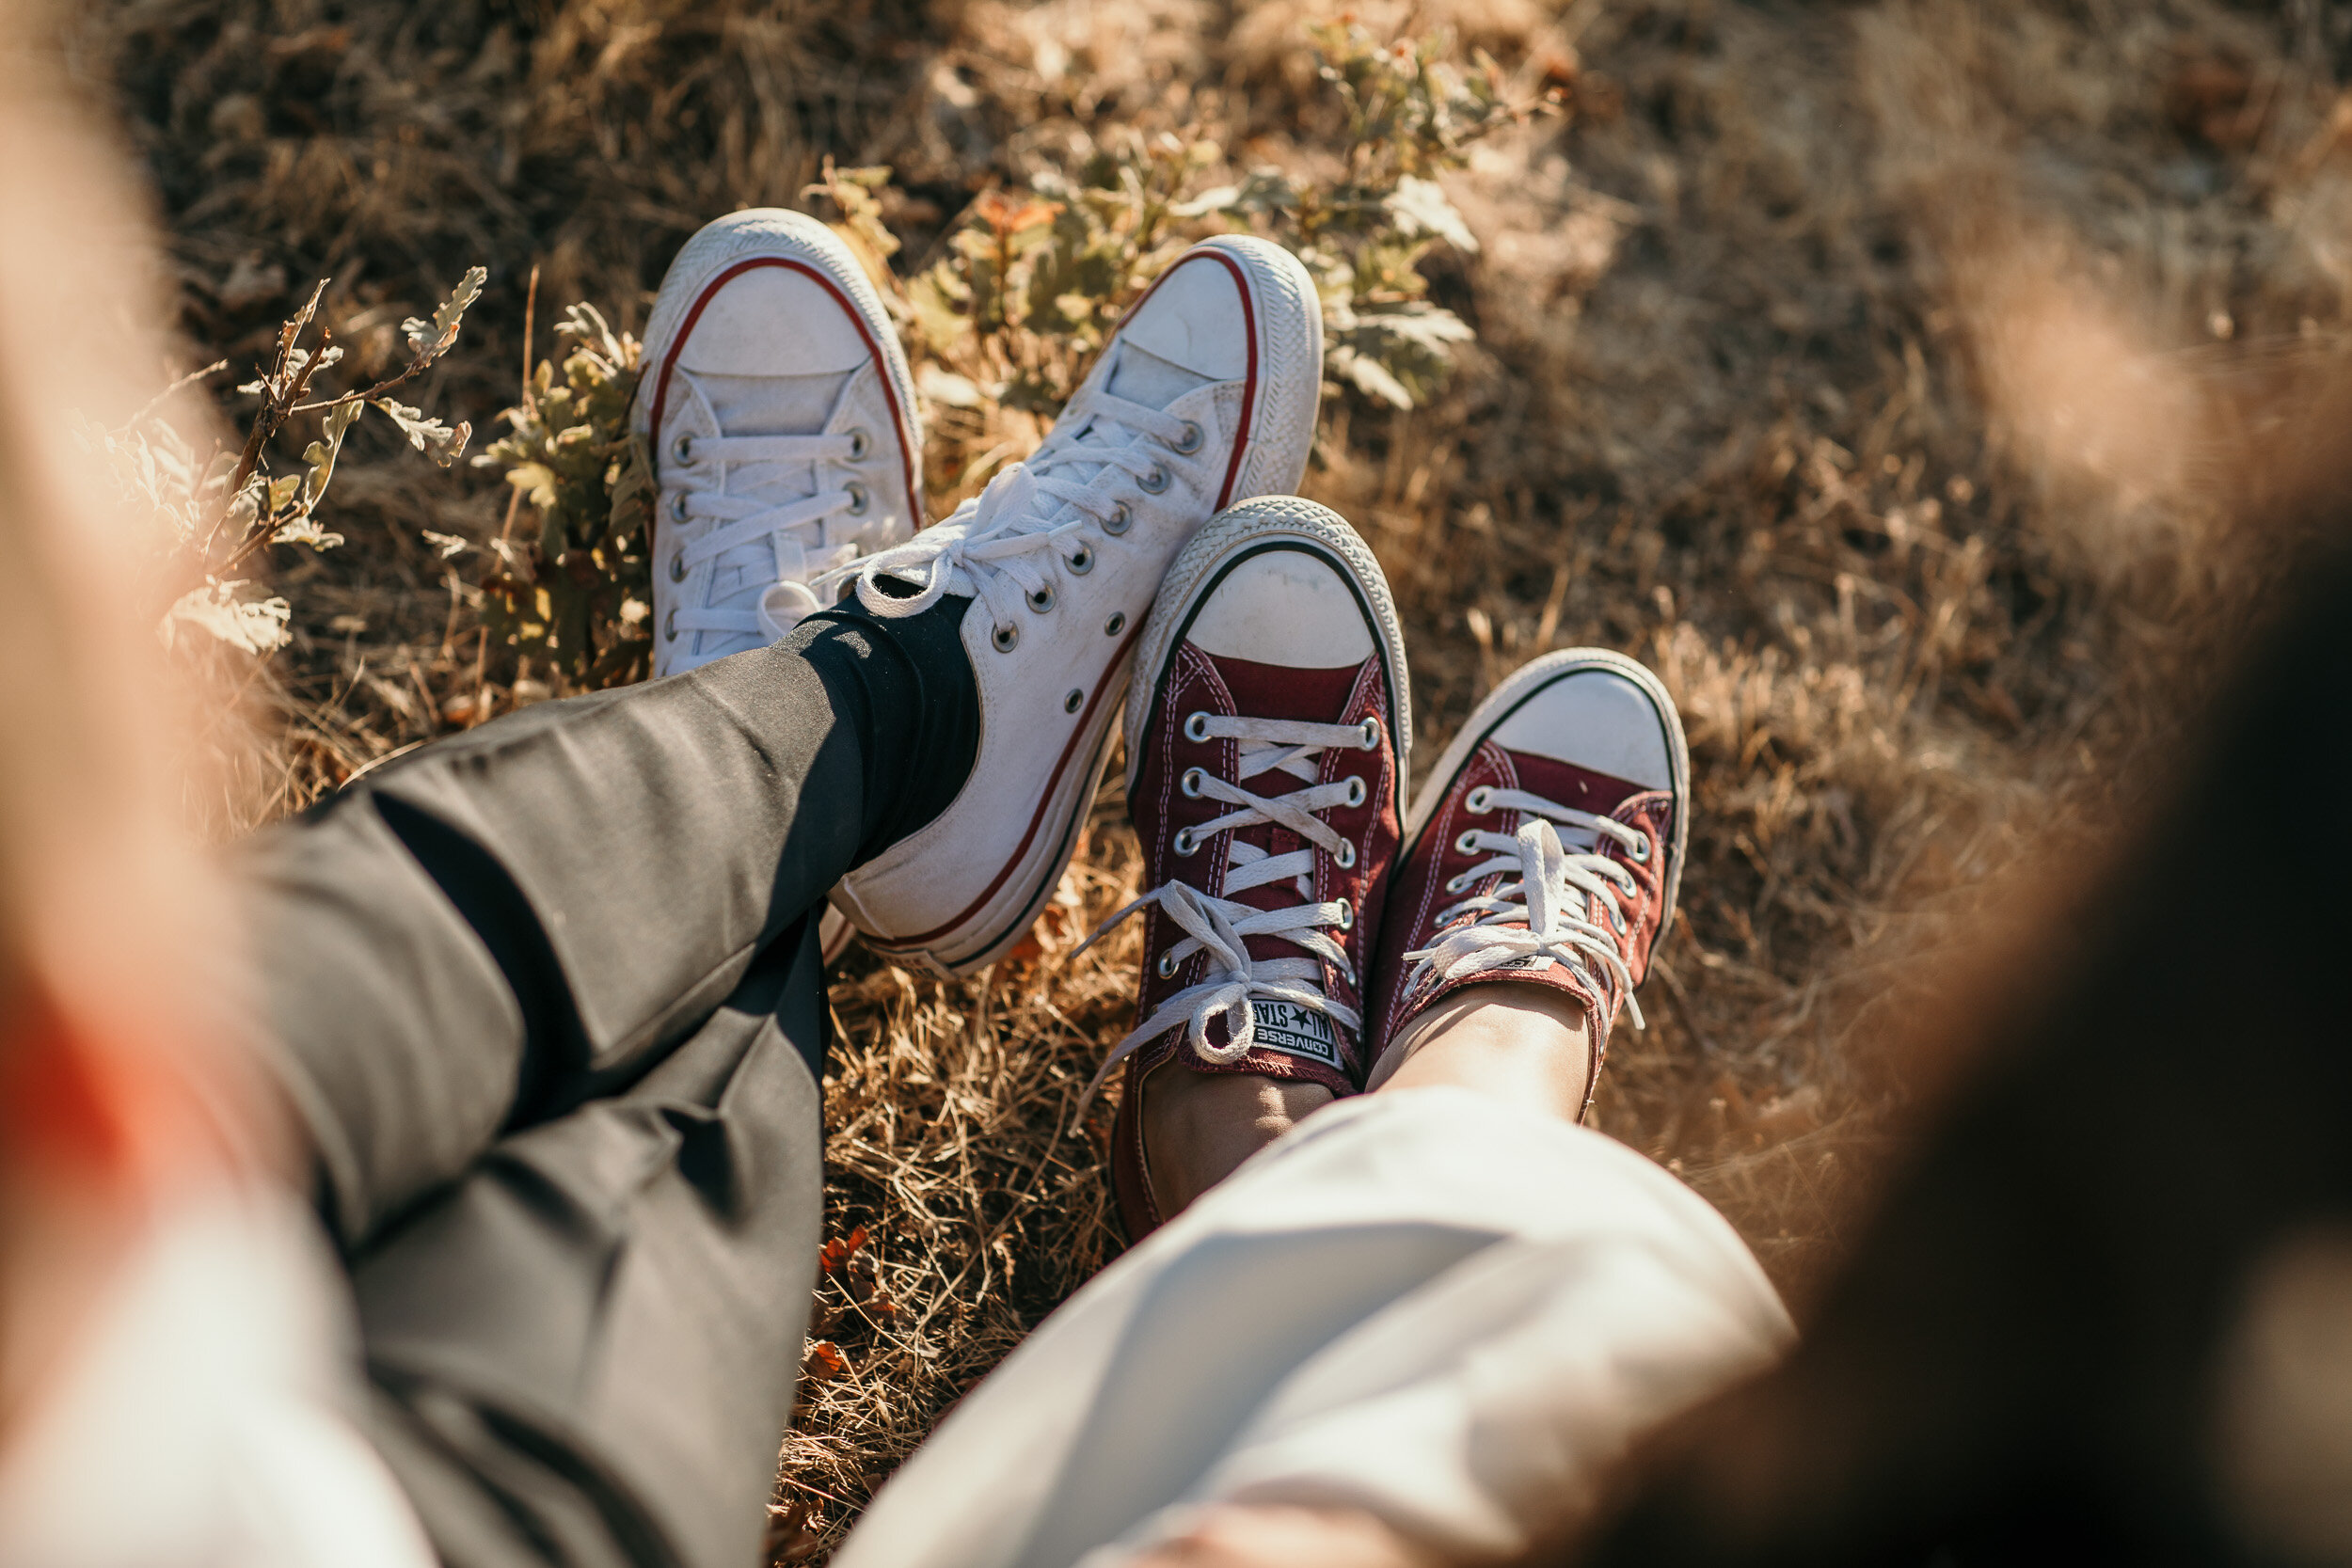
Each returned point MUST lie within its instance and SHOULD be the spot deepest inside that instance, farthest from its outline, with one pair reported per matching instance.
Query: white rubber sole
(1289, 319)
(1524, 683)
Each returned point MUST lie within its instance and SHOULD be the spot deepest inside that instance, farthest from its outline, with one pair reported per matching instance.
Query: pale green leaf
(1420, 207)
(429, 435)
(257, 627)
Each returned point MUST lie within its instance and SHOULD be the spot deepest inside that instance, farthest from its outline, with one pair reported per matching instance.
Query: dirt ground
(1866, 370)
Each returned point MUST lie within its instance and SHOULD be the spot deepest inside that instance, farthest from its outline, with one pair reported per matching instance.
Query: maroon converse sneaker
(1545, 849)
(1266, 735)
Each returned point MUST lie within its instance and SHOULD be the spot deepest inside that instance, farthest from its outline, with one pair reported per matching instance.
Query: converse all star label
(1297, 1031)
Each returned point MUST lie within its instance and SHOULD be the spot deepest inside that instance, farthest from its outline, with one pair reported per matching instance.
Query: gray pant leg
(546, 997)
(513, 921)
(583, 1352)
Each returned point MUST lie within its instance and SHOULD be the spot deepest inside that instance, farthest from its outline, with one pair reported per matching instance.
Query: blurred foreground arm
(169, 1330)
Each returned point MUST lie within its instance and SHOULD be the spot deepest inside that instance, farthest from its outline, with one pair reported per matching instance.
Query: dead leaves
(839, 1251)
(796, 1531)
(844, 1263)
(824, 1361)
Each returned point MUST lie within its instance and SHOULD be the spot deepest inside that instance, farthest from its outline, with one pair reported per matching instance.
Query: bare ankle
(1199, 1126)
(1528, 1044)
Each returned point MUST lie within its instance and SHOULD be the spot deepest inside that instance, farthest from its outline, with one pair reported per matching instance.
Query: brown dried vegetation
(1877, 373)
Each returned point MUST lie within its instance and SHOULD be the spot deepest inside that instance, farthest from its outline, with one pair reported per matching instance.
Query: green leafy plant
(1410, 116)
(1004, 319)
(220, 513)
(576, 593)
(1031, 282)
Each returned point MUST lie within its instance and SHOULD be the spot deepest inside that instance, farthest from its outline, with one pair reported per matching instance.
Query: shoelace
(1034, 520)
(779, 546)
(1536, 913)
(1234, 981)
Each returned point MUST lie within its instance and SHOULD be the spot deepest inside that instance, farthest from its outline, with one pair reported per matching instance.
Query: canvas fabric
(1452, 1313)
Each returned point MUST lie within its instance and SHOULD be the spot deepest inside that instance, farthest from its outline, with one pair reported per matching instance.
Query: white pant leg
(1424, 1303)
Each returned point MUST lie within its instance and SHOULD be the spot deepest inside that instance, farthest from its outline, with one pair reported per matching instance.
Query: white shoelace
(778, 546)
(1035, 520)
(1539, 913)
(1234, 981)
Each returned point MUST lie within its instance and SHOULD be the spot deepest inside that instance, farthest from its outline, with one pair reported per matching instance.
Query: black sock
(906, 686)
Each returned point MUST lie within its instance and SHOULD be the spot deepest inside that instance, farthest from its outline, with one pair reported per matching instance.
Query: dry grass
(1873, 372)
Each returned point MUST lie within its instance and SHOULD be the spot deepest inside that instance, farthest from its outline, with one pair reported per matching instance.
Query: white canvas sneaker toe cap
(1207, 392)
(781, 421)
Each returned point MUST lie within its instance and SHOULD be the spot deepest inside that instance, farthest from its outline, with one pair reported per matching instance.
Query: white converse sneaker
(782, 424)
(1207, 394)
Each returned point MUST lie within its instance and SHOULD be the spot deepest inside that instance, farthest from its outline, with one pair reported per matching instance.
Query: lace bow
(1547, 912)
(1235, 982)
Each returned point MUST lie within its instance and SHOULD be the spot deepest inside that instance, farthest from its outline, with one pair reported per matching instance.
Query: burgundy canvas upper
(1421, 895)
(1198, 682)
(1291, 1043)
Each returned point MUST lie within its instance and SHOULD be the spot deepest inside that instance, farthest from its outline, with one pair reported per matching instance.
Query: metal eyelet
(682, 447)
(1075, 701)
(1183, 843)
(1345, 859)
(1190, 783)
(678, 567)
(1003, 636)
(1347, 915)
(669, 626)
(1196, 728)
(1154, 481)
(859, 498)
(1043, 600)
(860, 444)
(1480, 800)
(1456, 884)
(1467, 843)
(1190, 442)
(1356, 790)
(1081, 563)
(1370, 729)
(677, 506)
(1640, 852)
(1117, 624)
(1615, 918)
(1117, 523)
(1167, 966)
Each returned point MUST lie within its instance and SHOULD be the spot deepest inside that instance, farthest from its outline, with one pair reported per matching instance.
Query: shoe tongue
(1141, 376)
(769, 405)
(774, 405)
(1567, 785)
(1275, 691)
(1013, 494)
(1137, 376)
(742, 578)
(1279, 692)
